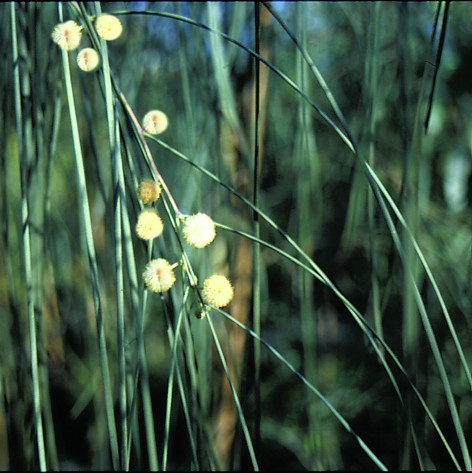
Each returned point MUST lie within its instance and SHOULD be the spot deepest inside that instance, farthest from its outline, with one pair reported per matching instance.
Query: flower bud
(149, 224)
(217, 291)
(159, 275)
(67, 35)
(88, 59)
(148, 191)
(155, 122)
(108, 27)
(199, 230)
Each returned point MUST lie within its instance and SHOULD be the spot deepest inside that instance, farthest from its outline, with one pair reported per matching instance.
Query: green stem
(119, 203)
(237, 402)
(256, 291)
(378, 344)
(174, 340)
(86, 220)
(312, 388)
(27, 248)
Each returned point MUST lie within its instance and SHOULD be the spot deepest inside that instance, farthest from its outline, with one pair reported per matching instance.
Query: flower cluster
(149, 224)
(158, 274)
(198, 230)
(68, 35)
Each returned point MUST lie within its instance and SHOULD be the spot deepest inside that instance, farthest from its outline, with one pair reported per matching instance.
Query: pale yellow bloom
(67, 35)
(199, 230)
(159, 275)
(88, 59)
(148, 191)
(155, 122)
(149, 224)
(217, 291)
(108, 27)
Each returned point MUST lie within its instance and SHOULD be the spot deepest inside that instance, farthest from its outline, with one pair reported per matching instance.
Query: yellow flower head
(217, 291)
(108, 27)
(148, 191)
(199, 230)
(155, 122)
(149, 224)
(67, 35)
(88, 59)
(159, 275)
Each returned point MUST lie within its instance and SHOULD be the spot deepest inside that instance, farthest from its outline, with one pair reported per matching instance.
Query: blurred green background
(391, 67)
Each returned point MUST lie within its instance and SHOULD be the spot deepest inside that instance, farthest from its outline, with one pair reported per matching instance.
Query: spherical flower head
(108, 27)
(217, 291)
(67, 35)
(159, 275)
(88, 59)
(199, 230)
(148, 191)
(149, 224)
(155, 122)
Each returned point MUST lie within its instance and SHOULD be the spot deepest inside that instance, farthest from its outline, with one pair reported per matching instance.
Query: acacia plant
(235, 235)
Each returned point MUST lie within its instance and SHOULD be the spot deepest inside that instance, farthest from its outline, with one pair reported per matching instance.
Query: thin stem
(120, 202)
(27, 247)
(256, 292)
(442, 38)
(312, 388)
(147, 151)
(87, 222)
(237, 402)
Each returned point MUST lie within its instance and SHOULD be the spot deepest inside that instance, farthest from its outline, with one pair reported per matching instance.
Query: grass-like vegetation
(330, 143)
